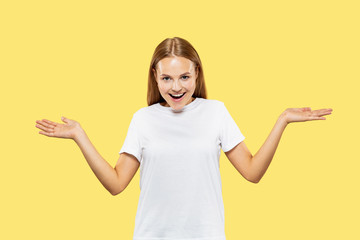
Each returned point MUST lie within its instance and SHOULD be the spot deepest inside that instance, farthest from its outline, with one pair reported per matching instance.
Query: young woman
(176, 141)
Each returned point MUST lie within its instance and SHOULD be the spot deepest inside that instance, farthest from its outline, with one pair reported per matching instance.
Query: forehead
(175, 65)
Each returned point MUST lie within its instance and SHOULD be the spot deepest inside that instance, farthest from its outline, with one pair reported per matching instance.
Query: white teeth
(178, 95)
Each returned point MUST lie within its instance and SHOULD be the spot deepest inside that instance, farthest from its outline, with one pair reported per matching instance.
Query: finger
(64, 119)
(316, 118)
(321, 111)
(298, 109)
(46, 134)
(44, 123)
(50, 122)
(324, 112)
(44, 128)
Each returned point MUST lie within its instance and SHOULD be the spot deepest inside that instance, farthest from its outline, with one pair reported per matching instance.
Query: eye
(164, 78)
(186, 77)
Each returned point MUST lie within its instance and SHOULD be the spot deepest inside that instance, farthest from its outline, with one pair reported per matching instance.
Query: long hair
(171, 47)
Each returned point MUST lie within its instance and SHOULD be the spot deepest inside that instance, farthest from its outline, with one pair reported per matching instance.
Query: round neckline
(183, 109)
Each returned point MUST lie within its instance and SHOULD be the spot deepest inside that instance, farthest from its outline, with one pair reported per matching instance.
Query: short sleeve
(132, 144)
(230, 134)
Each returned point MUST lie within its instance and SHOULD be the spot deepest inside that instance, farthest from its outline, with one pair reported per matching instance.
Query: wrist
(283, 119)
(78, 134)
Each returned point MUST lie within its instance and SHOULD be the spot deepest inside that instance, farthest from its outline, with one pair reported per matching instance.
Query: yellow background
(88, 61)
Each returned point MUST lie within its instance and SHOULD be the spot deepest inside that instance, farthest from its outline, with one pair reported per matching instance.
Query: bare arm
(262, 159)
(101, 168)
(254, 167)
(114, 180)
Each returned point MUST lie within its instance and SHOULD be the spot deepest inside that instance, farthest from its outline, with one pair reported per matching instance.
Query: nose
(176, 87)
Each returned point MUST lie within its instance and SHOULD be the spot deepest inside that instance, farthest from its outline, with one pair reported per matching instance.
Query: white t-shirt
(180, 184)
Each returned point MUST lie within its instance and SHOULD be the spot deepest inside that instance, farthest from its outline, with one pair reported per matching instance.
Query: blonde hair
(171, 47)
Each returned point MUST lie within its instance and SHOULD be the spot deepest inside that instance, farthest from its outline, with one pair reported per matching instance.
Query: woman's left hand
(304, 114)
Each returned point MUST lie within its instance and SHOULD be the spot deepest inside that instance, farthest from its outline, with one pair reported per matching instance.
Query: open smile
(177, 98)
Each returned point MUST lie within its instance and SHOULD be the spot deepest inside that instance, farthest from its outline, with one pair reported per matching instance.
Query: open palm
(305, 114)
(60, 130)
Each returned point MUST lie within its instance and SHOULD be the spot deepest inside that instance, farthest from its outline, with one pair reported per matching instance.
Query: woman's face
(176, 76)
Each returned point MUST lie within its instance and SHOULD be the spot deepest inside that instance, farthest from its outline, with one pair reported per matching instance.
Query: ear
(154, 71)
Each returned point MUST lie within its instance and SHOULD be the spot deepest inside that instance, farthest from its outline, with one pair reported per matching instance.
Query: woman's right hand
(60, 130)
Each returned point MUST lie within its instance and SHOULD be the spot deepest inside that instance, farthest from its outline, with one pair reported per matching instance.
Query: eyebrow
(169, 75)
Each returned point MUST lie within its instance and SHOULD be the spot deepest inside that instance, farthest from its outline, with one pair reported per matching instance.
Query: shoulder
(214, 104)
(143, 112)
(140, 112)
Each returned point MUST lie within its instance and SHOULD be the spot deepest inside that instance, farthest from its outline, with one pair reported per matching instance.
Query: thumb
(64, 119)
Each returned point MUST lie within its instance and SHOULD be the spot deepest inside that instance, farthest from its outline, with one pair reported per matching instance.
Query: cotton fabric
(180, 184)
